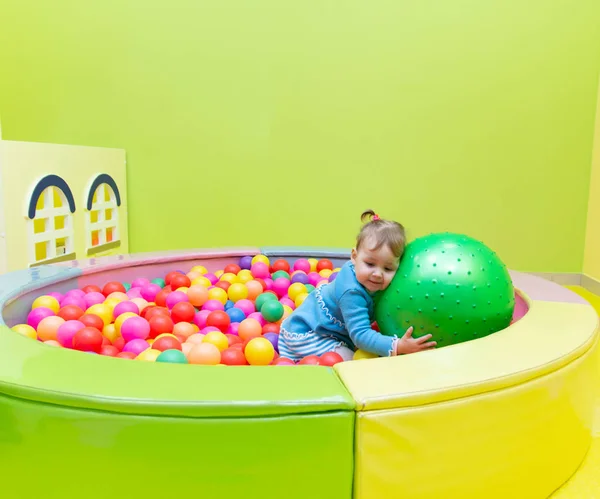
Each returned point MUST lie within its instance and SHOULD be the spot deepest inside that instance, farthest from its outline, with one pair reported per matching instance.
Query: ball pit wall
(486, 406)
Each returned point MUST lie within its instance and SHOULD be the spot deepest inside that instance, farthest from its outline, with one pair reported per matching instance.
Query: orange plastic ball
(249, 328)
(198, 295)
(205, 354)
(48, 327)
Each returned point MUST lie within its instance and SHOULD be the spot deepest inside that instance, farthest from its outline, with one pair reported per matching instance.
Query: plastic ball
(246, 306)
(167, 342)
(233, 328)
(200, 318)
(235, 314)
(313, 279)
(109, 350)
(70, 312)
(37, 315)
(218, 294)
(149, 355)
(199, 268)
(273, 338)
(149, 291)
(259, 317)
(361, 355)
(270, 328)
(233, 357)
(140, 302)
(260, 259)
(218, 339)
(46, 302)
(111, 287)
(313, 264)
(324, 264)
(185, 329)
(205, 354)
(211, 305)
(172, 357)
(281, 273)
(197, 295)
(126, 355)
(25, 330)
(253, 289)
(249, 328)
(310, 360)
(110, 333)
(183, 312)
(244, 276)
(135, 328)
(325, 273)
(263, 297)
(280, 286)
(282, 361)
(300, 299)
(52, 343)
(238, 291)
(136, 346)
(88, 339)
(245, 262)
(302, 264)
(48, 327)
(195, 339)
(296, 289)
(280, 264)
(229, 277)
(219, 319)
(450, 286)
(66, 332)
(330, 359)
(302, 278)
(175, 297)
(125, 306)
(180, 281)
(201, 281)
(117, 296)
(259, 352)
(93, 298)
(272, 310)
(75, 300)
(103, 311)
(232, 268)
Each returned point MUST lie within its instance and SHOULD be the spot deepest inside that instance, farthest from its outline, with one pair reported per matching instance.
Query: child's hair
(382, 232)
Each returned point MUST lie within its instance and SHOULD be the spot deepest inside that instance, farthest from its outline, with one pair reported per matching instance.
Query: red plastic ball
(126, 355)
(232, 339)
(270, 327)
(166, 343)
(113, 287)
(233, 357)
(180, 281)
(218, 319)
(91, 288)
(155, 311)
(88, 339)
(324, 264)
(183, 311)
(280, 264)
(241, 345)
(232, 268)
(109, 350)
(119, 343)
(310, 360)
(284, 361)
(161, 298)
(70, 312)
(330, 359)
(92, 320)
(170, 276)
(375, 326)
(223, 285)
(105, 341)
(160, 324)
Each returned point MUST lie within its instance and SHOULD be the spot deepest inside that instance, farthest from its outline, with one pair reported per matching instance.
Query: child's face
(374, 268)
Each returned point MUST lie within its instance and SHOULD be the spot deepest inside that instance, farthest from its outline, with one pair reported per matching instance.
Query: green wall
(273, 122)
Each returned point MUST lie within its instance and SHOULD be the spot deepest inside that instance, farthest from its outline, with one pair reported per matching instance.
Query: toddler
(337, 316)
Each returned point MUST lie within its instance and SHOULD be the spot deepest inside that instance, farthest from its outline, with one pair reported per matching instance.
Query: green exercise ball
(449, 285)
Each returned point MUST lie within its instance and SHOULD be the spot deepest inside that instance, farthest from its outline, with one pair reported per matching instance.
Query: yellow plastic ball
(237, 292)
(183, 289)
(287, 310)
(112, 303)
(199, 268)
(295, 290)
(148, 355)
(218, 339)
(229, 277)
(103, 311)
(117, 295)
(140, 302)
(361, 354)
(260, 258)
(110, 332)
(259, 352)
(218, 294)
(47, 302)
(193, 275)
(313, 264)
(202, 281)
(218, 273)
(326, 273)
(245, 276)
(165, 334)
(300, 299)
(121, 319)
(25, 330)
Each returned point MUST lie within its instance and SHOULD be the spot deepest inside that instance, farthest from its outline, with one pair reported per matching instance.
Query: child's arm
(354, 309)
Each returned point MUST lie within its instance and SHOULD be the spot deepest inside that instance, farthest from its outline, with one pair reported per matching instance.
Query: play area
(188, 306)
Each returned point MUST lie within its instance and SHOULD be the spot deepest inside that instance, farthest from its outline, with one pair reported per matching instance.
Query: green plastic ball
(272, 310)
(281, 273)
(127, 286)
(309, 288)
(172, 357)
(448, 285)
(159, 281)
(262, 298)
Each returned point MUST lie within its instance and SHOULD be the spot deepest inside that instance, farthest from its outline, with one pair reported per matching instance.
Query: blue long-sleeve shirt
(342, 309)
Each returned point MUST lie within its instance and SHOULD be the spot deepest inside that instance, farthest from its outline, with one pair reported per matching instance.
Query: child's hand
(408, 344)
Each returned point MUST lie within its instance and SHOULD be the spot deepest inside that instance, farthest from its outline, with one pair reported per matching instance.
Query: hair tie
(375, 217)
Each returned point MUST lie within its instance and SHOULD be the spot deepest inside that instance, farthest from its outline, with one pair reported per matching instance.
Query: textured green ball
(172, 357)
(448, 285)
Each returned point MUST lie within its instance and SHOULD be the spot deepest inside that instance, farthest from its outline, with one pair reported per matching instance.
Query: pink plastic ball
(134, 293)
(94, 298)
(260, 270)
(268, 284)
(176, 297)
(302, 264)
(212, 278)
(246, 306)
(135, 328)
(58, 296)
(150, 291)
(74, 300)
(37, 315)
(280, 286)
(209, 329)
(233, 328)
(66, 331)
(80, 293)
(258, 316)
(140, 282)
(286, 301)
(125, 306)
(136, 346)
(200, 318)
(212, 305)
(314, 278)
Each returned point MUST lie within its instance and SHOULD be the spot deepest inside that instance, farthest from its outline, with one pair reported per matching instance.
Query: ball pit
(369, 428)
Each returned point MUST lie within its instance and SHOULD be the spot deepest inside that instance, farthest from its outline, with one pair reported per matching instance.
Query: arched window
(50, 222)
(102, 220)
